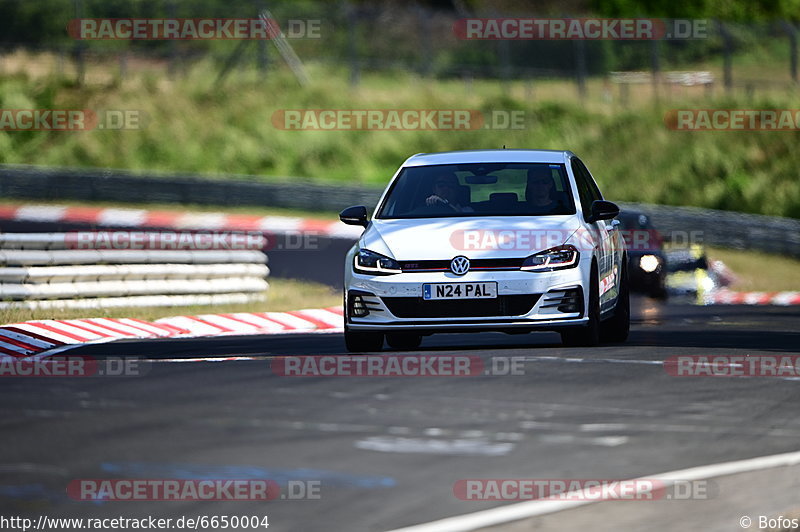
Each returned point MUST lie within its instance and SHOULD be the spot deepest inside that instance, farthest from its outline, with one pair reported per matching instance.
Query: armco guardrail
(721, 228)
(32, 182)
(726, 229)
(37, 270)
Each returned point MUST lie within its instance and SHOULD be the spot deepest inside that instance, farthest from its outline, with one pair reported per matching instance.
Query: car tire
(403, 341)
(616, 328)
(362, 341)
(589, 334)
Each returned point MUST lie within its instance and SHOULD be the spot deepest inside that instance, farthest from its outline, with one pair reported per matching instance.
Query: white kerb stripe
(191, 325)
(70, 329)
(292, 321)
(277, 224)
(50, 213)
(784, 298)
(123, 217)
(46, 333)
(228, 323)
(321, 314)
(258, 321)
(120, 326)
(345, 231)
(94, 328)
(753, 298)
(157, 331)
(211, 220)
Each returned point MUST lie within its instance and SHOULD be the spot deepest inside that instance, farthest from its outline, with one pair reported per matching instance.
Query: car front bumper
(526, 300)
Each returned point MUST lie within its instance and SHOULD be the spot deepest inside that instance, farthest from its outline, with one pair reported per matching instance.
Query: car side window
(587, 188)
(596, 195)
(584, 191)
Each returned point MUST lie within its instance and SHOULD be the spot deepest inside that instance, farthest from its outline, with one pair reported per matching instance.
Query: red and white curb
(730, 297)
(207, 221)
(40, 336)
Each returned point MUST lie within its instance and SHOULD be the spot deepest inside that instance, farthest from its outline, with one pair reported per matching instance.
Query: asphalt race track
(387, 451)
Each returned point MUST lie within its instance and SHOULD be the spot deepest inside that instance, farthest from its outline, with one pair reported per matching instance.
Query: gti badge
(459, 265)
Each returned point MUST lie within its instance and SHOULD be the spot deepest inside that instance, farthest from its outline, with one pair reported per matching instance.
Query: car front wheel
(360, 342)
(616, 328)
(403, 341)
(589, 334)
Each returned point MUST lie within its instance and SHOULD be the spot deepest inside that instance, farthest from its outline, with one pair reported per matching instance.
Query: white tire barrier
(16, 257)
(36, 272)
(50, 274)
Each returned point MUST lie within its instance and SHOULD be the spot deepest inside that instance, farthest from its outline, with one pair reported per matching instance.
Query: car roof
(488, 156)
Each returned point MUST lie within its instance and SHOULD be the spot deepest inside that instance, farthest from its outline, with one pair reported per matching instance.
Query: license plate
(459, 291)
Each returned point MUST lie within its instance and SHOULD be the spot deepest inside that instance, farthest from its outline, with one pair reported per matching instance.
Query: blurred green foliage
(198, 126)
(194, 126)
(408, 36)
(727, 10)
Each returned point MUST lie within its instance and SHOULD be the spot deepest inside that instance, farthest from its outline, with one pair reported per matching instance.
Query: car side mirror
(354, 215)
(603, 210)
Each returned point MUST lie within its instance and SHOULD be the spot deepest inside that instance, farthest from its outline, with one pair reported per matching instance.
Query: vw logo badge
(459, 265)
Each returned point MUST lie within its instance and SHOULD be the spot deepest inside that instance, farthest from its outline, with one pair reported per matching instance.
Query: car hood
(445, 238)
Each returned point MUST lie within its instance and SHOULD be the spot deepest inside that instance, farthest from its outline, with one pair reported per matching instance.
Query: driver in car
(445, 192)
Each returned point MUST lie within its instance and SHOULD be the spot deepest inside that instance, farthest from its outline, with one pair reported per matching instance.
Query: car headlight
(557, 258)
(367, 261)
(649, 263)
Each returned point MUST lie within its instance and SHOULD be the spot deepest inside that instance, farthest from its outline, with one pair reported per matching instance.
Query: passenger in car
(540, 192)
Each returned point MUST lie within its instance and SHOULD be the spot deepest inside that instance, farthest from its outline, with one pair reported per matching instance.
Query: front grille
(416, 307)
(476, 264)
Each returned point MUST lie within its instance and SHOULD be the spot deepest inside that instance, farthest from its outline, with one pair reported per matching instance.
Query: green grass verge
(284, 294)
(194, 126)
(760, 272)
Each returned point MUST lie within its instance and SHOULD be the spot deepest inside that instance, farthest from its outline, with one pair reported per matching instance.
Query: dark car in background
(647, 261)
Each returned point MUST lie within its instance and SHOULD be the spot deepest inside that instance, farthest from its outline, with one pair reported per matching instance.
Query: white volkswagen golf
(491, 240)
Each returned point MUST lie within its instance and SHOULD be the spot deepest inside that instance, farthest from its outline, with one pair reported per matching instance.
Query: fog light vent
(359, 308)
(568, 301)
(571, 302)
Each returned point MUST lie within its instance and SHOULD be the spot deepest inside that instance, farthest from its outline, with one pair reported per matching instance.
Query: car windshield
(479, 189)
